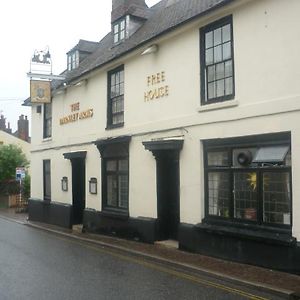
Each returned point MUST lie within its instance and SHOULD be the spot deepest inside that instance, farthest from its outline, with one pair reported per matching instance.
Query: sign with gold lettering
(76, 114)
(40, 91)
(158, 89)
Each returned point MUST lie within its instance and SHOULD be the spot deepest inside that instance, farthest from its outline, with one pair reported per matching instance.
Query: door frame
(165, 150)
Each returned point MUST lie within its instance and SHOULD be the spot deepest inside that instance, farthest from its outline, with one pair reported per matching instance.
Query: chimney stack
(2, 123)
(23, 128)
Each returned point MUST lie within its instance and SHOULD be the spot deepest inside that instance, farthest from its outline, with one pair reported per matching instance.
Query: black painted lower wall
(53, 213)
(283, 254)
(142, 229)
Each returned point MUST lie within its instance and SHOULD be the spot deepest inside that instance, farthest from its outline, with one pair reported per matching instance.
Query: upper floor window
(119, 31)
(115, 105)
(73, 60)
(47, 120)
(249, 183)
(217, 64)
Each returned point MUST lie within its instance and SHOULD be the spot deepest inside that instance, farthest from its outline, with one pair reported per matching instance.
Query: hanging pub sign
(40, 91)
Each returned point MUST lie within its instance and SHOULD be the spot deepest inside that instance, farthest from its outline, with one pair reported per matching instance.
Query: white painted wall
(267, 101)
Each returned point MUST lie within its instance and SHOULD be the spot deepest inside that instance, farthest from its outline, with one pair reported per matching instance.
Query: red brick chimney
(23, 128)
(2, 123)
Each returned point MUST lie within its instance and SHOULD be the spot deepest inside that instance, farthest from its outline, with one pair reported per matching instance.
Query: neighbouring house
(20, 137)
(181, 123)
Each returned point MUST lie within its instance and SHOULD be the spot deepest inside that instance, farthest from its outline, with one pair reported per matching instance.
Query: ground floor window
(115, 174)
(47, 179)
(249, 180)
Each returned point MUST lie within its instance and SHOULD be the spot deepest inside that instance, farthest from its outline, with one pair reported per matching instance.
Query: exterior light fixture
(93, 185)
(64, 184)
(150, 49)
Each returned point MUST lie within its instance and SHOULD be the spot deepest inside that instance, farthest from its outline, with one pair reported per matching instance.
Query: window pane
(227, 51)
(123, 191)
(111, 165)
(113, 79)
(122, 76)
(277, 197)
(211, 73)
(220, 88)
(271, 154)
(116, 28)
(218, 158)
(122, 89)
(123, 165)
(112, 190)
(117, 76)
(211, 91)
(47, 179)
(226, 33)
(116, 38)
(218, 194)
(217, 36)
(217, 54)
(117, 90)
(228, 86)
(122, 35)
(118, 118)
(209, 39)
(228, 68)
(209, 59)
(220, 71)
(122, 24)
(245, 196)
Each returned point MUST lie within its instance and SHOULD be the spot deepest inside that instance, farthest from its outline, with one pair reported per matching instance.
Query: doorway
(166, 153)
(78, 189)
(168, 214)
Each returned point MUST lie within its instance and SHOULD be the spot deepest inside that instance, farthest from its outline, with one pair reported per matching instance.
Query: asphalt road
(38, 265)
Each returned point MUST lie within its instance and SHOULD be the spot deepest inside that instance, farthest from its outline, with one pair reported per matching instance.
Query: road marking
(157, 267)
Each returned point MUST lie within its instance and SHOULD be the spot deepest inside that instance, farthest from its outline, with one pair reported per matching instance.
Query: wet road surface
(38, 265)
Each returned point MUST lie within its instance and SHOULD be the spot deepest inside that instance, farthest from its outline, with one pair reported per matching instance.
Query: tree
(11, 156)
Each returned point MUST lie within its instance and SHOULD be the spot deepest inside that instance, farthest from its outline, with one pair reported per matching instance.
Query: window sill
(219, 105)
(45, 140)
(109, 127)
(253, 232)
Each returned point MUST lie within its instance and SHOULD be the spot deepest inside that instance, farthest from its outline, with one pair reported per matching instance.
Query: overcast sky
(34, 24)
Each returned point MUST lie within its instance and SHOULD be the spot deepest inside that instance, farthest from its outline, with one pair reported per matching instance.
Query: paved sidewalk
(287, 285)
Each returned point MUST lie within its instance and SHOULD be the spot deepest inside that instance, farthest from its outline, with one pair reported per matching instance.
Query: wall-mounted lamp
(150, 49)
(93, 185)
(64, 184)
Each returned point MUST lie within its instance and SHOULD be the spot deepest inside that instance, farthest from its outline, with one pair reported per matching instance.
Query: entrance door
(168, 194)
(78, 189)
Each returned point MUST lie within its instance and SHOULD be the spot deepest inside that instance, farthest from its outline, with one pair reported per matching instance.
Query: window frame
(110, 99)
(210, 146)
(203, 81)
(47, 121)
(119, 31)
(105, 173)
(46, 175)
(73, 60)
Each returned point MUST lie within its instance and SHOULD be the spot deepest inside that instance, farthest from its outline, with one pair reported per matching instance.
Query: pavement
(280, 283)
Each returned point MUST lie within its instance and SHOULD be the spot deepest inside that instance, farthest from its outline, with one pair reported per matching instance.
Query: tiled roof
(85, 46)
(163, 17)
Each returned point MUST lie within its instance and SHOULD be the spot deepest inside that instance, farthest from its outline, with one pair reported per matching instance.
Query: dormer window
(73, 60)
(119, 30)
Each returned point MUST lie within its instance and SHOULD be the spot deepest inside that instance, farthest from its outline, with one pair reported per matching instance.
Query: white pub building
(182, 123)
